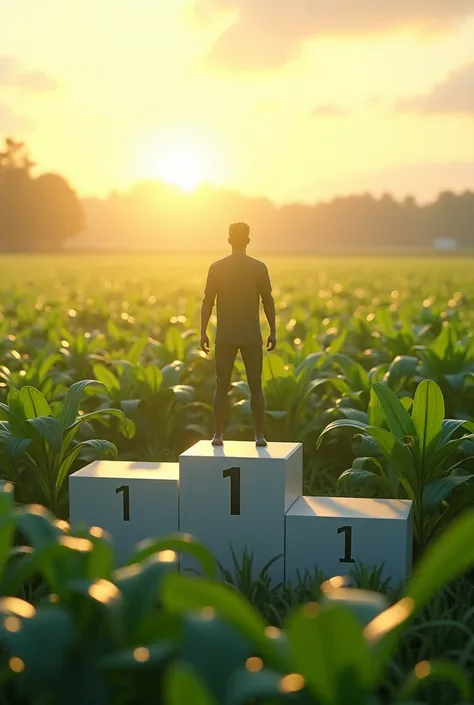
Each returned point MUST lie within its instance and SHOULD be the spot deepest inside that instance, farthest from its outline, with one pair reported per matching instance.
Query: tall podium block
(132, 501)
(333, 533)
(236, 496)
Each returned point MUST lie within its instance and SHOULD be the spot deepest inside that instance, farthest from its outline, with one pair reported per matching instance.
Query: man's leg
(252, 356)
(224, 360)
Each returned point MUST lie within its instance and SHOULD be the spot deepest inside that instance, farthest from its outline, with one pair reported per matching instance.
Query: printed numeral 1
(347, 531)
(126, 501)
(234, 474)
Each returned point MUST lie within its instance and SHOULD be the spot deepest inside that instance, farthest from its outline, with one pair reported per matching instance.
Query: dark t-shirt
(238, 282)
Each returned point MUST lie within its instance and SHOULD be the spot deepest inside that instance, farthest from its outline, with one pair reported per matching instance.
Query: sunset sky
(295, 100)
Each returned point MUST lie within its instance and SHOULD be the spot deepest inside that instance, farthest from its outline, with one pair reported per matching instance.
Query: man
(238, 282)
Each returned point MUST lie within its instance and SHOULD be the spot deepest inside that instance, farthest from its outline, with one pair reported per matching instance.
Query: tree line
(44, 213)
(36, 213)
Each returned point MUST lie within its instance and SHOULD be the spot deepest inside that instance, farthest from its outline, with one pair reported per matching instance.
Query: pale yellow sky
(279, 100)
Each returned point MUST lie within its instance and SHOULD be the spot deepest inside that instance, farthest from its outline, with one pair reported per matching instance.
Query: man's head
(239, 236)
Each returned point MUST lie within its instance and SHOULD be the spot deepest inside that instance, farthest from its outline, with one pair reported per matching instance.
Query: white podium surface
(237, 495)
(132, 501)
(332, 533)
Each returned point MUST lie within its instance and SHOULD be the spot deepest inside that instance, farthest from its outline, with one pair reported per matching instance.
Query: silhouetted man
(238, 282)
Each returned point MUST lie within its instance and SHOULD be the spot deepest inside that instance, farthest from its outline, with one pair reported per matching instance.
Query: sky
(294, 101)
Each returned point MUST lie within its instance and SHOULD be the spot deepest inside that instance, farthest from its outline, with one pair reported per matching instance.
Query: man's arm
(269, 308)
(207, 305)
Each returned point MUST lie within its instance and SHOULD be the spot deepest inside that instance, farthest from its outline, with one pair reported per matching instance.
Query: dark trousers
(252, 356)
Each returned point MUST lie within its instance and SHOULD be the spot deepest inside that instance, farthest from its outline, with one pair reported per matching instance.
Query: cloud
(453, 95)
(12, 75)
(328, 110)
(12, 122)
(267, 32)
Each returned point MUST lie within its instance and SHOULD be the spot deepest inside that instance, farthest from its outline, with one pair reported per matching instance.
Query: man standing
(238, 282)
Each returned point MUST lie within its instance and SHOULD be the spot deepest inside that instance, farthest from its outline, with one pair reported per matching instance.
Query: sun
(181, 168)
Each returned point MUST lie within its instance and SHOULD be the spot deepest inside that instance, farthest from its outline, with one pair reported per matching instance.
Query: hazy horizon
(333, 99)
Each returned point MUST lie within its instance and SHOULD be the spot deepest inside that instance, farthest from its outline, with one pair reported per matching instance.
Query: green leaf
(335, 669)
(438, 670)
(127, 427)
(376, 412)
(34, 403)
(444, 559)
(355, 373)
(402, 366)
(437, 491)
(50, 430)
(137, 349)
(42, 642)
(214, 650)
(342, 423)
(141, 585)
(171, 374)
(7, 522)
(398, 419)
(183, 595)
(427, 415)
(126, 660)
(106, 376)
(181, 543)
(73, 400)
(182, 687)
(355, 478)
(16, 447)
(260, 687)
(101, 450)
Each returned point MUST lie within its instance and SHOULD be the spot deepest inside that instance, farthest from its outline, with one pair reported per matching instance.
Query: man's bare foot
(260, 441)
(217, 440)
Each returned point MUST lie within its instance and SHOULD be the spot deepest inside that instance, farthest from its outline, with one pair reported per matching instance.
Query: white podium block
(332, 533)
(132, 501)
(237, 496)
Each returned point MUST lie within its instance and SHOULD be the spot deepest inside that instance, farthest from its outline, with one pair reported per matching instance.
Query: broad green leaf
(402, 366)
(126, 426)
(443, 346)
(106, 377)
(342, 423)
(215, 651)
(330, 664)
(444, 559)
(50, 430)
(171, 374)
(100, 450)
(398, 419)
(44, 638)
(180, 543)
(16, 447)
(427, 415)
(376, 412)
(263, 686)
(153, 378)
(273, 368)
(138, 347)
(183, 595)
(154, 656)
(437, 491)
(183, 687)
(34, 403)
(355, 373)
(141, 584)
(72, 401)
(355, 478)
(7, 522)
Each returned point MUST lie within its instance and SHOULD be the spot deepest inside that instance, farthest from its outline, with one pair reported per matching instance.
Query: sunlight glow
(181, 168)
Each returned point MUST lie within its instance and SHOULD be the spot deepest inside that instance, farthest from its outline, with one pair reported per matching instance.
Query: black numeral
(126, 501)
(347, 531)
(234, 474)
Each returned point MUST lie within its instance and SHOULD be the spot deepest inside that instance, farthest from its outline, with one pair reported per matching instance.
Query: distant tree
(57, 212)
(35, 213)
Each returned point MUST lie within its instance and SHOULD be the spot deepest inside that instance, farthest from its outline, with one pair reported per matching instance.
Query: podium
(235, 497)
(131, 501)
(333, 533)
